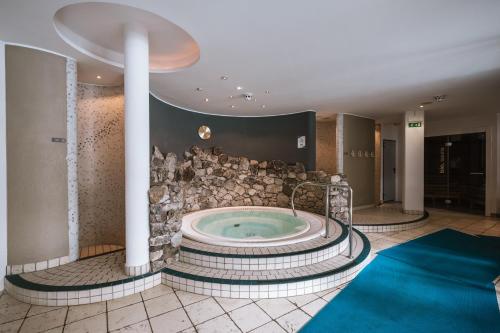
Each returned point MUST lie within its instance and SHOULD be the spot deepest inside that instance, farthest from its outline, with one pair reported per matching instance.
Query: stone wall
(209, 178)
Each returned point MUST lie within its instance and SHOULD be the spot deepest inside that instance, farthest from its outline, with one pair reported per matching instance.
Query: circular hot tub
(251, 226)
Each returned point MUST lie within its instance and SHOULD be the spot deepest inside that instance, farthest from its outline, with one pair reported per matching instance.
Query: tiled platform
(270, 283)
(388, 217)
(86, 281)
(162, 309)
(261, 258)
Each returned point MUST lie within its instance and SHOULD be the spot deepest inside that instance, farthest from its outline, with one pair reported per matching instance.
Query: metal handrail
(327, 187)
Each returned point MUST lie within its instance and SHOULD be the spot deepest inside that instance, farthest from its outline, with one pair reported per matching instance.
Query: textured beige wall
(101, 165)
(326, 146)
(36, 167)
(359, 135)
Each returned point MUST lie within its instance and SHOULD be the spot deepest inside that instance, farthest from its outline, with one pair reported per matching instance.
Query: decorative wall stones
(209, 178)
(101, 165)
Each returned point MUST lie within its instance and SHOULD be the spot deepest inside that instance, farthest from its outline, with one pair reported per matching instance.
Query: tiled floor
(163, 309)
(95, 250)
(101, 269)
(384, 214)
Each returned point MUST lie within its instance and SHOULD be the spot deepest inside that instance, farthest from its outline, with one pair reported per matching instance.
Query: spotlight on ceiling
(263, 106)
(239, 87)
(224, 77)
(98, 77)
(199, 89)
(233, 106)
(206, 99)
(421, 106)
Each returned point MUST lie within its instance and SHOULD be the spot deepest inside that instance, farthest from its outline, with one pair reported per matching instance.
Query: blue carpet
(437, 283)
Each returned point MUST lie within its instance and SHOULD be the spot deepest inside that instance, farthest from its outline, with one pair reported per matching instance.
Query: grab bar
(327, 187)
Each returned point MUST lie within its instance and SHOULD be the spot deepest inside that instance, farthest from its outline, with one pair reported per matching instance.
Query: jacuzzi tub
(251, 226)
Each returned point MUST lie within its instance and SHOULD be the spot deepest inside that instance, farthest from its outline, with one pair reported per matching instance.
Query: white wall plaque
(301, 142)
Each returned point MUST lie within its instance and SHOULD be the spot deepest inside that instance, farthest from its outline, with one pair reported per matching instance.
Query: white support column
(137, 150)
(413, 179)
(3, 169)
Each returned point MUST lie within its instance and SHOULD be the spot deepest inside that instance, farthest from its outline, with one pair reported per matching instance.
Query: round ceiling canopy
(96, 29)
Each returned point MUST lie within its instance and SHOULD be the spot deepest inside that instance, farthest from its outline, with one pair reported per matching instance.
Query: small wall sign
(59, 140)
(301, 142)
(414, 124)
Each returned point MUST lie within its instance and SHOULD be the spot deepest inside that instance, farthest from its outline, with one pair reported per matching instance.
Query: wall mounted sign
(59, 140)
(414, 124)
(301, 142)
(204, 132)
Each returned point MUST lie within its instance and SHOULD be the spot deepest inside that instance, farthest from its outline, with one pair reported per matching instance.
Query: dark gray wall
(359, 134)
(261, 138)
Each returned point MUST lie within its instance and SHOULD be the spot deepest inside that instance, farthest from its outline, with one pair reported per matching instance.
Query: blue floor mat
(405, 291)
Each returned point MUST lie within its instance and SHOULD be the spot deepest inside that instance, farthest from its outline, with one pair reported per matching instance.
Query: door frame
(383, 168)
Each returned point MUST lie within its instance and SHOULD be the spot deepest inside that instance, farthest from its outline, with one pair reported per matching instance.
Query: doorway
(455, 172)
(389, 170)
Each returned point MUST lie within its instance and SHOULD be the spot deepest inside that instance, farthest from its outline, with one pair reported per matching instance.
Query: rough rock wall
(209, 178)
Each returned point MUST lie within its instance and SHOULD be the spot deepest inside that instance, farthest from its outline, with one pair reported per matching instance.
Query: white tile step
(269, 283)
(266, 258)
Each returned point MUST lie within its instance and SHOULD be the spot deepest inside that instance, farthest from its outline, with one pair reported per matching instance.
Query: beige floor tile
(313, 307)
(11, 309)
(126, 316)
(204, 310)
(96, 324)
(221, 324)
(270, 327)
(55, 330)
(162, 304)
(140, 327)
(11, 327)
(39, 309)
(249, 317)
(44, 321)
(173, 321)
(302, 299)
(189, 298)
(157, 291)
(331, 295)
(80, 312)
(230, 304)
(276, 307)
(293, 321)
(124, 301)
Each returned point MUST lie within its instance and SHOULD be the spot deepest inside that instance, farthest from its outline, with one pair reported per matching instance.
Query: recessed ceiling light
(421, 106)
(233, 106)
(98, 77)
(239, 87)
(231, 97)
(224, 77)
(206, 99)
(199, 89)
(267, 92)
(263, 106)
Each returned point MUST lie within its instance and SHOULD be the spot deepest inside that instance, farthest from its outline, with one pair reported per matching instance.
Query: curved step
(266, 258)
(396, 226)
(269, 283)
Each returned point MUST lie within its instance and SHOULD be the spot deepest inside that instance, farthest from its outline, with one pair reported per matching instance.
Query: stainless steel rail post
(327, 206)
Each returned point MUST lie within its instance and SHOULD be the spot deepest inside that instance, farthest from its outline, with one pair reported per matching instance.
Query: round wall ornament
(204, 132)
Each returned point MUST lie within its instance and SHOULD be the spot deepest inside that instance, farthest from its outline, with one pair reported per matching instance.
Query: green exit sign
(415, 124)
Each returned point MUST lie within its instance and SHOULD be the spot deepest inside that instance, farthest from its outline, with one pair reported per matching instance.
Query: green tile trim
(342, 237)
(358, 260)
(420, 219)
(20, 282)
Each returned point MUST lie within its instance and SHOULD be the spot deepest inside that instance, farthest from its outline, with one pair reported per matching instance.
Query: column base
(413, 212)
(137, 270)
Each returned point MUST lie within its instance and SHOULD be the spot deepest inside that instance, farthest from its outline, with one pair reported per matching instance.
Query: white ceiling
(368, 57)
